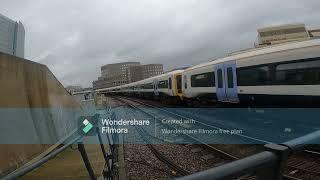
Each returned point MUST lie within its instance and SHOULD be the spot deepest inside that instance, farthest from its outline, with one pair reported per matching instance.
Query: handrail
(107, 172)
(267, 164)
(86, 161)
(26, 169)
(300, 143)
(235, 168)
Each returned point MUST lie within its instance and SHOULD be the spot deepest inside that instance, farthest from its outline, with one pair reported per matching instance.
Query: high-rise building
(12, 37)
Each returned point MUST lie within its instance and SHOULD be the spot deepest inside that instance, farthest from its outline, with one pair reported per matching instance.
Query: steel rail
(159, 155)
(208, 125)
(225, 154)
(220, 152)
(312, 152)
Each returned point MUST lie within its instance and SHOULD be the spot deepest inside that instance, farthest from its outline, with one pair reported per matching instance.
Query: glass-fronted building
(12, 37)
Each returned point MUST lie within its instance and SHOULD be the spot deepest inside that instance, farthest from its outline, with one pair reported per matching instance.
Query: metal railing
(266, 165)
(107, 155)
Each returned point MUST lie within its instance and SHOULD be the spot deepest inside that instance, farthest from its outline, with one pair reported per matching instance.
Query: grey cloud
(74, 38)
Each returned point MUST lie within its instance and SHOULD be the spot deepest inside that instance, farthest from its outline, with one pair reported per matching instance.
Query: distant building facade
(314, 33)
(72, 89)
(124, 73)
(114, 75)
(285, 33)
(137, 73)
(117, 73)
(12, 37)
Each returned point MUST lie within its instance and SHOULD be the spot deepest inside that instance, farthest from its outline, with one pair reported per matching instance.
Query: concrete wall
(35, 111)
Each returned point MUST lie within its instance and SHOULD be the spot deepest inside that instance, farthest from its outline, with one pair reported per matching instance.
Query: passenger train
(283, 74)
(166, 85)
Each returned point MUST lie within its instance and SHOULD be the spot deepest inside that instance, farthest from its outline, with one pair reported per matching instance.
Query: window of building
(203, 80)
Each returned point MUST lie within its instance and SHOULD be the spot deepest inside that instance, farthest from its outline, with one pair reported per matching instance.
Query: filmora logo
(87, 125)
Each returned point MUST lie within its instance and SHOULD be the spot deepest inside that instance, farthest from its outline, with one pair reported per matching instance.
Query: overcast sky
(75, 37)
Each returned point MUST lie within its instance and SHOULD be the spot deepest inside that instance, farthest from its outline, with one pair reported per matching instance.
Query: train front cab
(226, 82)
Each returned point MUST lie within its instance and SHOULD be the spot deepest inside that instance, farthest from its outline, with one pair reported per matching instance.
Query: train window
(203, 80)
(298, 73)
(185, 81)
(147, 86)
(163, 84)
(230, 77)
(170, 83)
(253, 76)
(220, 80)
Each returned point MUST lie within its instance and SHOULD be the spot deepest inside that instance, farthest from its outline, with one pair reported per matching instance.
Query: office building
(137, 73)
(314, 33)
(12, 37)
(114, 75)
(285, 33)
(124, 73)
(117, 72)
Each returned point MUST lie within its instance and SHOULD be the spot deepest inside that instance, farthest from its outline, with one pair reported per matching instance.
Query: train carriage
(163, 86)
(284, 74)
(276, 75)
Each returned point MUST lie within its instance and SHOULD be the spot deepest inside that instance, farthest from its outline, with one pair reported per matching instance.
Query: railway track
(223, 156)
(180, 171)
(305, 162)
(146, 138)
(304, 166)
(200, 142)
(295, 166)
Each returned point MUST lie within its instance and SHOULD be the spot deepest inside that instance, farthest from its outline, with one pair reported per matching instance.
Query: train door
(155, 88)
(226, 82)
(178, 84)
(220, 86)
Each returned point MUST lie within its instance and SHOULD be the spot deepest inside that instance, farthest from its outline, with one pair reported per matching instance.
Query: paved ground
(69, 165)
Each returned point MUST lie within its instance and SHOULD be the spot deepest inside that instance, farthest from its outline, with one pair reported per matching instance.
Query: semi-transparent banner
(157, 126)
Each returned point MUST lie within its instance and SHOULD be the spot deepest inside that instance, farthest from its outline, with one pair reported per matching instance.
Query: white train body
(278, 74)
(284, 72)
(163, 85)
